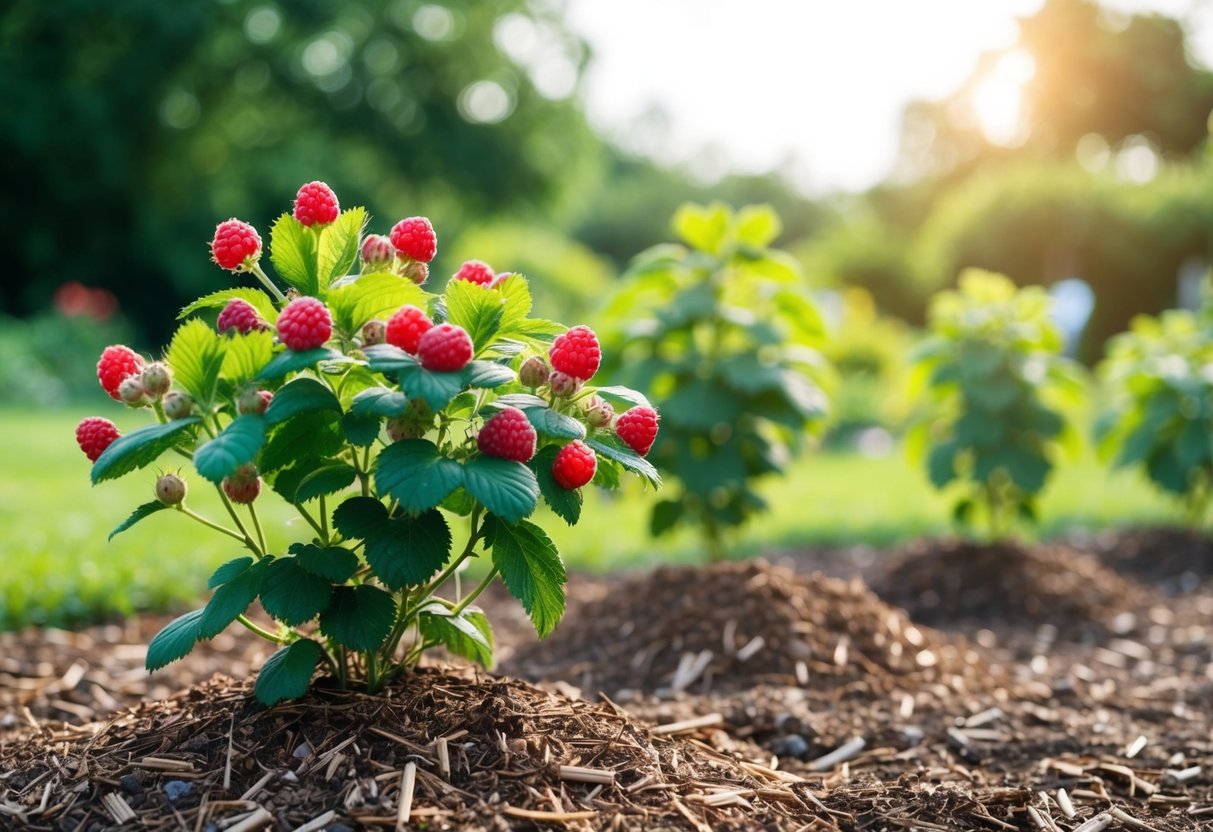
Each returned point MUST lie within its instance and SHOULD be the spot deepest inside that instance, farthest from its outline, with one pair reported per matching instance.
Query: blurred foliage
(721, 332)
(991, 365)
(1158, 378)
(127, 125)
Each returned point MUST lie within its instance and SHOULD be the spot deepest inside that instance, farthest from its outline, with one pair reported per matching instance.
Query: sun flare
(998, 99)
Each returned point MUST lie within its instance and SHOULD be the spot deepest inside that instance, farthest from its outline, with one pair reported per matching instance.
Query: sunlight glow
(998, 99)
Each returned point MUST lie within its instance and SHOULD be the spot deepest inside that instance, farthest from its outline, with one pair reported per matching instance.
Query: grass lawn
(59, 569)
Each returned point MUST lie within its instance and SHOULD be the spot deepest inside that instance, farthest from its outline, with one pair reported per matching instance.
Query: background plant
(995, 380)
(381, 452)
(721, 332)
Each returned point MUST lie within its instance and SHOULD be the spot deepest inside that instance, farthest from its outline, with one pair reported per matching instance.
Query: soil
(1103, 712)
(1174, 560)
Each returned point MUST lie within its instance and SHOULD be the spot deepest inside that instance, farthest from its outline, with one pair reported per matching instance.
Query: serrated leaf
(467, 634)
(237, 445)
(301, 395)
(174, 642)
(139, 448)
(246, 355)
(548, 422)
(414, 473)
(378, 295)
(335, 563)
(537, 329)
(293, 253)
(532, 571)
(287, 673)
(385, 358)
(612, 448)
(564, 502)
(339, 246)
(145, 510)
(506, 488)
(231, 600)
(522, 401)
(256, 298)
(292, 594)
(359, 430)
(324, 481)
(487, 375)
(407, 550)
(623, 396)
(229, 571)
(289, 361)
(317, 434)
(359, 617)
(195, 356)
(476, 308)
(286, 481)
(436, 388)
(381, 402)
(358, 517)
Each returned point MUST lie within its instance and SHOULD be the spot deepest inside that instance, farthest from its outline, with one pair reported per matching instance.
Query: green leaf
(941, 463)
(237, 445)
(302, 395)
(359, 617)
(324, 481)
(409, 550)
(703, 226)
(359, 517)
(610, 447)
(416, 474)
(287, 673)
(467, 634)
(385, 358)
(381, 402)
(293, 253)
(174, 642)
(623, 397)
(229, 571)
(231, 600)
(378, 295)
(565, 503)
(436, 388)
(195, 356)
(360, 430)
(1028, 470)
(666, 515)
(532, 571)
(256, 298)
(292, 594)
(139, 448)
(701, 404)
(537, 329)
(339, 246)
(758, 225)
(487, 374)
(477, 309)
(335, 563)
(246, 356)
(145, 510)
(522, 401)
(516, 294)
(548, 422)
(315, 434)
(506, 488)
(289, 361)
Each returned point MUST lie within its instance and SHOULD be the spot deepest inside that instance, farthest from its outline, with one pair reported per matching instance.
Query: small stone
(793, 745)
(339, 827)
(302, 751)
(788, 724)
(174, 790)
(130, 784)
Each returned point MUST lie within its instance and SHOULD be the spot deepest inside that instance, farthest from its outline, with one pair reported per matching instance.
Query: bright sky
(814, 87)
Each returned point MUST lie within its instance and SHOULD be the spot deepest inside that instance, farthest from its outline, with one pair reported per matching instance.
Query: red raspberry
(508, 435)
(240, 316)
(637, 427)
(445, 348)
(378, 253)
(304, 324)
(236, 245)
(415, 238)
(94, 435)
(405, 328)
(116, 363)
(577, 353)
(243, 486)
(475, 271)
(316, 204)
(574, 466)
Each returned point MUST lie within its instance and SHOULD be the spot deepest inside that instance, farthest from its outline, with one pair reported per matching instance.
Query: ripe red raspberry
(304, 324)
(240, 316)
(236, 245)
(405, 328)
(170, 489)
(415, 238)
(508, 434)
(378, 253)
(577, 353)
(475, 271)
(243, 486)
(445, 348)
(574, 466)
(316, 204)
(94, 435)
(637, 427)
(116, 363)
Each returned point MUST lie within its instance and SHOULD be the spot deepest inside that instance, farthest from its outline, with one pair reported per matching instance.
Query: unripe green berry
(534, 372)
(598, 412)
(253, 401)
(171, 489)
(402, 427)
(157, 378)
(132, 392)
(177, 405)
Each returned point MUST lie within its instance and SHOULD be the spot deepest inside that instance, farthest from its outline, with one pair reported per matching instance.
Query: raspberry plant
(1158, 378)
(994, 372)
(721, 331)
(388, 454)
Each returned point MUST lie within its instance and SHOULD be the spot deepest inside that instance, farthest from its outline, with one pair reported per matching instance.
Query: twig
(408, 779)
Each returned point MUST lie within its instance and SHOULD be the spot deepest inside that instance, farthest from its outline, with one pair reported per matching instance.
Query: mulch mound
(956, 584)
(1175, 560)
(445, 748)
(735, 625)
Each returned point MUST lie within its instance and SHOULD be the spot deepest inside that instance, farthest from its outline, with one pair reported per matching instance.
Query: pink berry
(244, 485)
(574, 465)
(475, 271)
(304, 324)
(414, 238)
(236, 245)
(378, 253)
(116, 363)
(445, 348)
(508, 434)
(316, 204)
(239, 315)
(576, 352)
(637, 427)
(563, 385)
(405, 328)
(94, 435)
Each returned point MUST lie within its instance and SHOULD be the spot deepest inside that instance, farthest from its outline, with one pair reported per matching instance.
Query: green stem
(267, 283)
(261, 631)
(209, 523)
(311, 521)
(252, 510)
(231, 510)
(324, 520)
(475, 593)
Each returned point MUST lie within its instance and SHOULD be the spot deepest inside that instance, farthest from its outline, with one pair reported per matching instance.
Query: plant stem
(209, 523)
(231, 510)
(311, 522)
(457, 562)
(324, 520)
(475, 593)
(267, 283)
(261, 631)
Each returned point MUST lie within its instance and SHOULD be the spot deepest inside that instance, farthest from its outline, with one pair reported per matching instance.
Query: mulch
(833, 721)
(1175, 560)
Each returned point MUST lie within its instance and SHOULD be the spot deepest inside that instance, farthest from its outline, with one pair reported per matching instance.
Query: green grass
(59, 569)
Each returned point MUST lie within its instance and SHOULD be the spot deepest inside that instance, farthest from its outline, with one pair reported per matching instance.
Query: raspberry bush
(404, 463)
(722, 332)
(999, 389)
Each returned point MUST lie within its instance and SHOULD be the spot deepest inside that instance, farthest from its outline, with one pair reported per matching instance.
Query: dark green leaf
(467, 635)
(359, 430)
(384, 358)
(623, 397)
(408, 550)
(293, 253)
(303, 395)
(413, 472)
(231, 600)
(1028, 470)
(487, 374)
(532, 571)
(359, 617)
(612, 448)
(315, 434)
(335, 563)
(666, 515)
(140, 448)
(548, 422)
(229, 571)
(358, 517)
(145, 510)
(324, 481)
(565, 503)
(287, 673)
(436, 388)
(292, 594)
(380, 402)
(237, 445)
(289, 361)
(506, 488)
(174, 642)
(522, 401)
(701, 404)
(941, 463)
